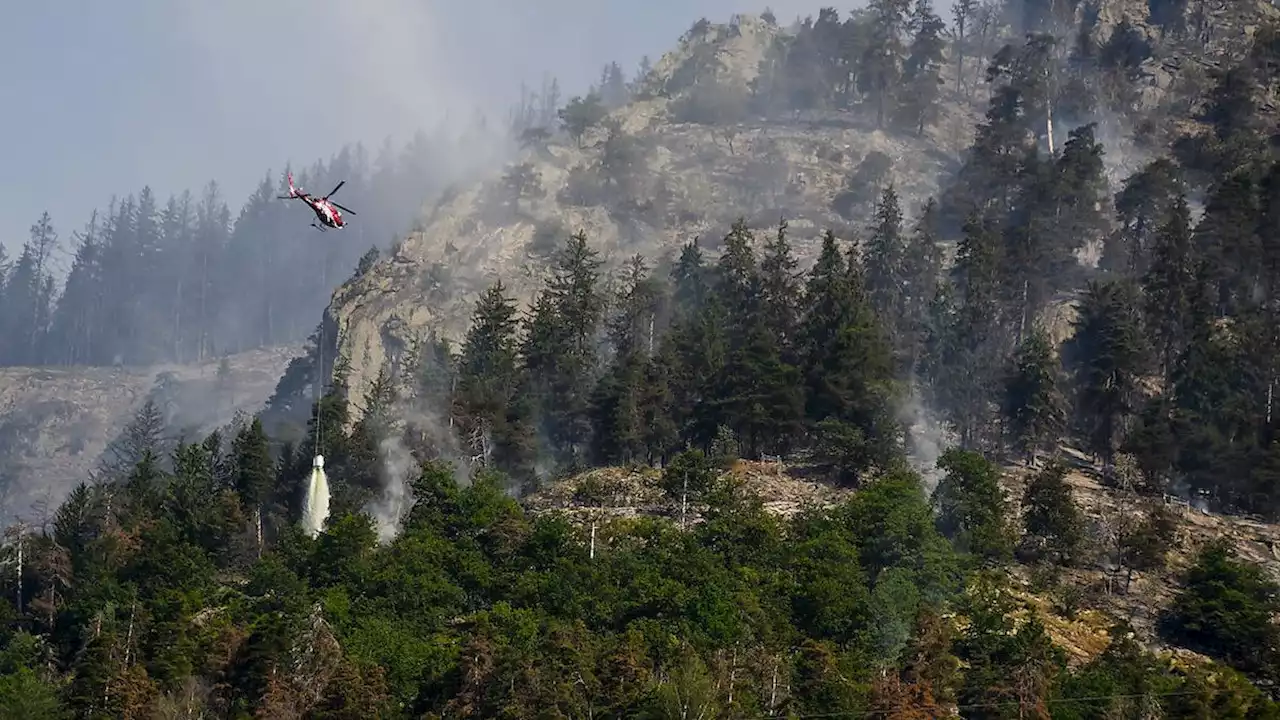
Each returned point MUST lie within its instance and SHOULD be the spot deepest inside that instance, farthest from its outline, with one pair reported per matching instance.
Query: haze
(103, 98)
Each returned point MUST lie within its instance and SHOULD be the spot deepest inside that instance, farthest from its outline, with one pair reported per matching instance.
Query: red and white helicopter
(327, 212)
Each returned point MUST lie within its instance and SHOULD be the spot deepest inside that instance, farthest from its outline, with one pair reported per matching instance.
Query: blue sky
(105, 97)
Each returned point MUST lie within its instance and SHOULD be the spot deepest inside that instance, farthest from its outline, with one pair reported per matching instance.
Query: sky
(103, 98)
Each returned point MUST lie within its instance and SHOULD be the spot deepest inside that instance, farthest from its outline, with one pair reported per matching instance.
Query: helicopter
(327, 211)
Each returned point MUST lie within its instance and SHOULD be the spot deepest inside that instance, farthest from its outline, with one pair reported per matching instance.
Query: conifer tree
(922, 70)
(1168, 286)
(846, 357)
(1225, 239)
(1142, 208)
(921, 267)
(1034, 410)
(559, 349)
(780, 291)
(254, 469)
(617, 402)
(29, 297)
(1052, 519)
(1109, 355)
(885, 261)
(882, 59)
(488, 380)
(975, 339)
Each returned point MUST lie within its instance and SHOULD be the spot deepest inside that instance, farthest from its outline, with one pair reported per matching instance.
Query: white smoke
(1122, 156)
(927, 438)
(398, 468)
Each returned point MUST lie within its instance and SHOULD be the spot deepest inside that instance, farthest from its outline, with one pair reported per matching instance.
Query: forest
(182, 279)
(177, 583)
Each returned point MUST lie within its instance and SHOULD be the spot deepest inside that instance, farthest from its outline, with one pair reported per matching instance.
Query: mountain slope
(677, 180)
(56, 422)
(692, 151)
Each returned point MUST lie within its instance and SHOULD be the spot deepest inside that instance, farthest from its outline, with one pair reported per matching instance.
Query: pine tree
(254, 469)
(580, 115)
(1052, 519)
(885, 258)
(963, 14)
(881, 66)
(1030, 74)
(921, 267)
(1142, 208)
(1109, 356)
(1034, 409)
(1167, 286)
(780, 290)
(922, 71)
(613, 87)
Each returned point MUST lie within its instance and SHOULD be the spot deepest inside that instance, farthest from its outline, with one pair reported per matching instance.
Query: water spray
(316, 509)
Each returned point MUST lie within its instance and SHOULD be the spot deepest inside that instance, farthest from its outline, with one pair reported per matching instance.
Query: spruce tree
(559, 349)
(920, 274)
(1051, 518)
(1226, 240)
(780, 291)
(975, 339)
(1167, 286)
(1142, 208)
(1034, 409)
(922, 70)
(254, 469)
(616, 401)
(488, 379)
(1109, 356)
(847, 361)
(885, 260)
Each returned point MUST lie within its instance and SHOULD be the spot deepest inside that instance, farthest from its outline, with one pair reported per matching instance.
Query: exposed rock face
(693, 181)
(56, 422)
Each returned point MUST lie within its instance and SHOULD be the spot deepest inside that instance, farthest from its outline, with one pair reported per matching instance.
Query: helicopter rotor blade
(335, 189)
(349, 211)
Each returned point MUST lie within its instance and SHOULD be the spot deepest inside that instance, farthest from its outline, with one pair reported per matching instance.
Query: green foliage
(971, 505)
(179, 584)
(1225, 610)
(1053, 522)
(1034, 407)
(580, 115)
(689, 474)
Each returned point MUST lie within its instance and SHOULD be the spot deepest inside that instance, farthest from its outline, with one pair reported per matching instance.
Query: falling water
(316, 509)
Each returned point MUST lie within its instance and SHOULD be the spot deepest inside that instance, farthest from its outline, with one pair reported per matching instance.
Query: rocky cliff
(683, 180)
(668, 167)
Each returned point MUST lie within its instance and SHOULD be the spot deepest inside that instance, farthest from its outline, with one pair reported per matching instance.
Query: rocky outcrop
(692, 181)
